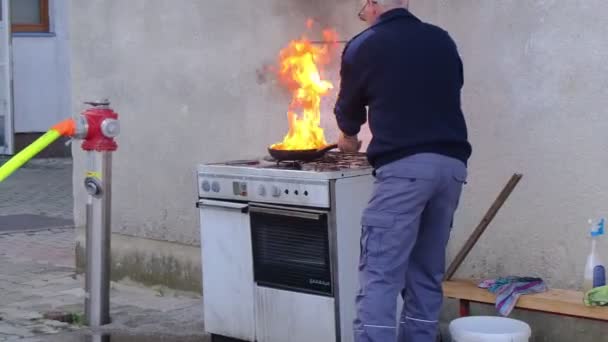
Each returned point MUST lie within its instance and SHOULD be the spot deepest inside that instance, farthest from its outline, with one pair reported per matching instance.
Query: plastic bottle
(595, 271)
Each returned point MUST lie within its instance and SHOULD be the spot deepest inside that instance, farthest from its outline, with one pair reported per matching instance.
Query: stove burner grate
(332, 161)
(292, 165)
(248, 162)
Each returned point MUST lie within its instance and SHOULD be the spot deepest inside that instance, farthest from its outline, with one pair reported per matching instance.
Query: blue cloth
(405, 231)
(410, 76)
(509, 289)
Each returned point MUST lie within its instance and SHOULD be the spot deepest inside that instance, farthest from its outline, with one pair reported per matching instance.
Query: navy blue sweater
(409, 74)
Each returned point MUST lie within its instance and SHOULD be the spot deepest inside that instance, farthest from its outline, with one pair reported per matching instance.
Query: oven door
(228, 289)
(291, 249)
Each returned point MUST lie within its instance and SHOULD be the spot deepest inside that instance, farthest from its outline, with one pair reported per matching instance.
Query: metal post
(98, 126)
(98, 235)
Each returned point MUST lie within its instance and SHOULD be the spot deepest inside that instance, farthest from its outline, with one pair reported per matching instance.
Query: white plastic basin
(489, 329)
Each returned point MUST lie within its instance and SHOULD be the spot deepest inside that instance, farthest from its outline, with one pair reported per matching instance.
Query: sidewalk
(38, 277)
(37, 271)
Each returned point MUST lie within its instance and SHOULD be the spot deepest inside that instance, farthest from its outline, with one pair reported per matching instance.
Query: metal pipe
(98, 184)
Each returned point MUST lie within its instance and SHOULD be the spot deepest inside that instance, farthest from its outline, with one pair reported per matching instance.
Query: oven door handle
(310, 215)
(244, 208)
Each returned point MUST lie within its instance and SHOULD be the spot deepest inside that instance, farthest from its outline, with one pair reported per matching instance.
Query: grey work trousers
(405, 231)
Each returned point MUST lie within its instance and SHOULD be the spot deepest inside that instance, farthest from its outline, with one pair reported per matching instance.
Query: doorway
(6, 84)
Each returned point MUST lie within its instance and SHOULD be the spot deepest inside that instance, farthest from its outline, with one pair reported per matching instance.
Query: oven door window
(291, 250)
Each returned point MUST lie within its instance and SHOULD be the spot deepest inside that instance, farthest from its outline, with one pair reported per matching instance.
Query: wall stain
(150, 270)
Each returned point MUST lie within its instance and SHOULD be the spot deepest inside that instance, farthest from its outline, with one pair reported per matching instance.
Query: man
(409, 74)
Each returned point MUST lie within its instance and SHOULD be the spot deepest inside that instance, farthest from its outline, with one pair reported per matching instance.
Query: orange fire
(300, 67)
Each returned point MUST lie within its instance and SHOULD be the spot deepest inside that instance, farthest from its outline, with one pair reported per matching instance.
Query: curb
(37, 230)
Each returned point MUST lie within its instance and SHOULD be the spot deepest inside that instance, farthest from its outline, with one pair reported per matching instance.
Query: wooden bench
(554, 301)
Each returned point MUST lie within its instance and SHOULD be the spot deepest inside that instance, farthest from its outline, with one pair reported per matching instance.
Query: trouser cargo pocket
(375, 225)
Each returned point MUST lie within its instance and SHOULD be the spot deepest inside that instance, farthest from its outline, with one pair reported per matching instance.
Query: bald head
(390, 4)
(372, 9)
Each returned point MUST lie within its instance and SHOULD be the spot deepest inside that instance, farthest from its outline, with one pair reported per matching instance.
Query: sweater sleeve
(350, 107)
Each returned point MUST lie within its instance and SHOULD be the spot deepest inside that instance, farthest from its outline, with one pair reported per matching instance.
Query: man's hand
(349, 144)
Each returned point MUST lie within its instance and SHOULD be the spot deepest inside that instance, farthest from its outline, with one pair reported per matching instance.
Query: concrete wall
(41, 74)
(184, 75)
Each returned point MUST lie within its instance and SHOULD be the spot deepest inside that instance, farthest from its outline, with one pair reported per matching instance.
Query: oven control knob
(215, 186)
(261, 190)
(276, 192)
(206, 186)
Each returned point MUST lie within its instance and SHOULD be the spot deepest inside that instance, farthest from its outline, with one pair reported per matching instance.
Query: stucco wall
(535, 99)
(184, 76)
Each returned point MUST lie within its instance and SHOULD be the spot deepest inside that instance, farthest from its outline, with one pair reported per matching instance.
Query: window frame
(42, 27)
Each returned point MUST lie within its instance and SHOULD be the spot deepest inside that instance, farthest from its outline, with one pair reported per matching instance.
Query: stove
(286, 182)
(280, 246)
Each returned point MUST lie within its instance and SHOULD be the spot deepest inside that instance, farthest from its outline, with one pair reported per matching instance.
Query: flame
(300, 66)
(309, 23)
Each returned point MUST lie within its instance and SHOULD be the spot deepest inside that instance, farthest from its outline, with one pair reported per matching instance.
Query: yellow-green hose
(28, 153)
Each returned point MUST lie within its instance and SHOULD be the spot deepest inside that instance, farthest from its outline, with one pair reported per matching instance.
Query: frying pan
(300, 155)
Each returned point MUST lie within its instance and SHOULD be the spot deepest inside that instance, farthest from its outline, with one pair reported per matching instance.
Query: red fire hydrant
(98, 126)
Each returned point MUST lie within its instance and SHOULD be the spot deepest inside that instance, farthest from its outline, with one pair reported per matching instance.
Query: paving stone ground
(38, 276)
(41, 187)
(37, 273)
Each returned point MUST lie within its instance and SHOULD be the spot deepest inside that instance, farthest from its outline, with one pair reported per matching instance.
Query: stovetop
(332, 161)
(332, 165)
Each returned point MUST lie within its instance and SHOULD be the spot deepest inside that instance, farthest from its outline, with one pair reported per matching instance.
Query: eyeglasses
(367, 3)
